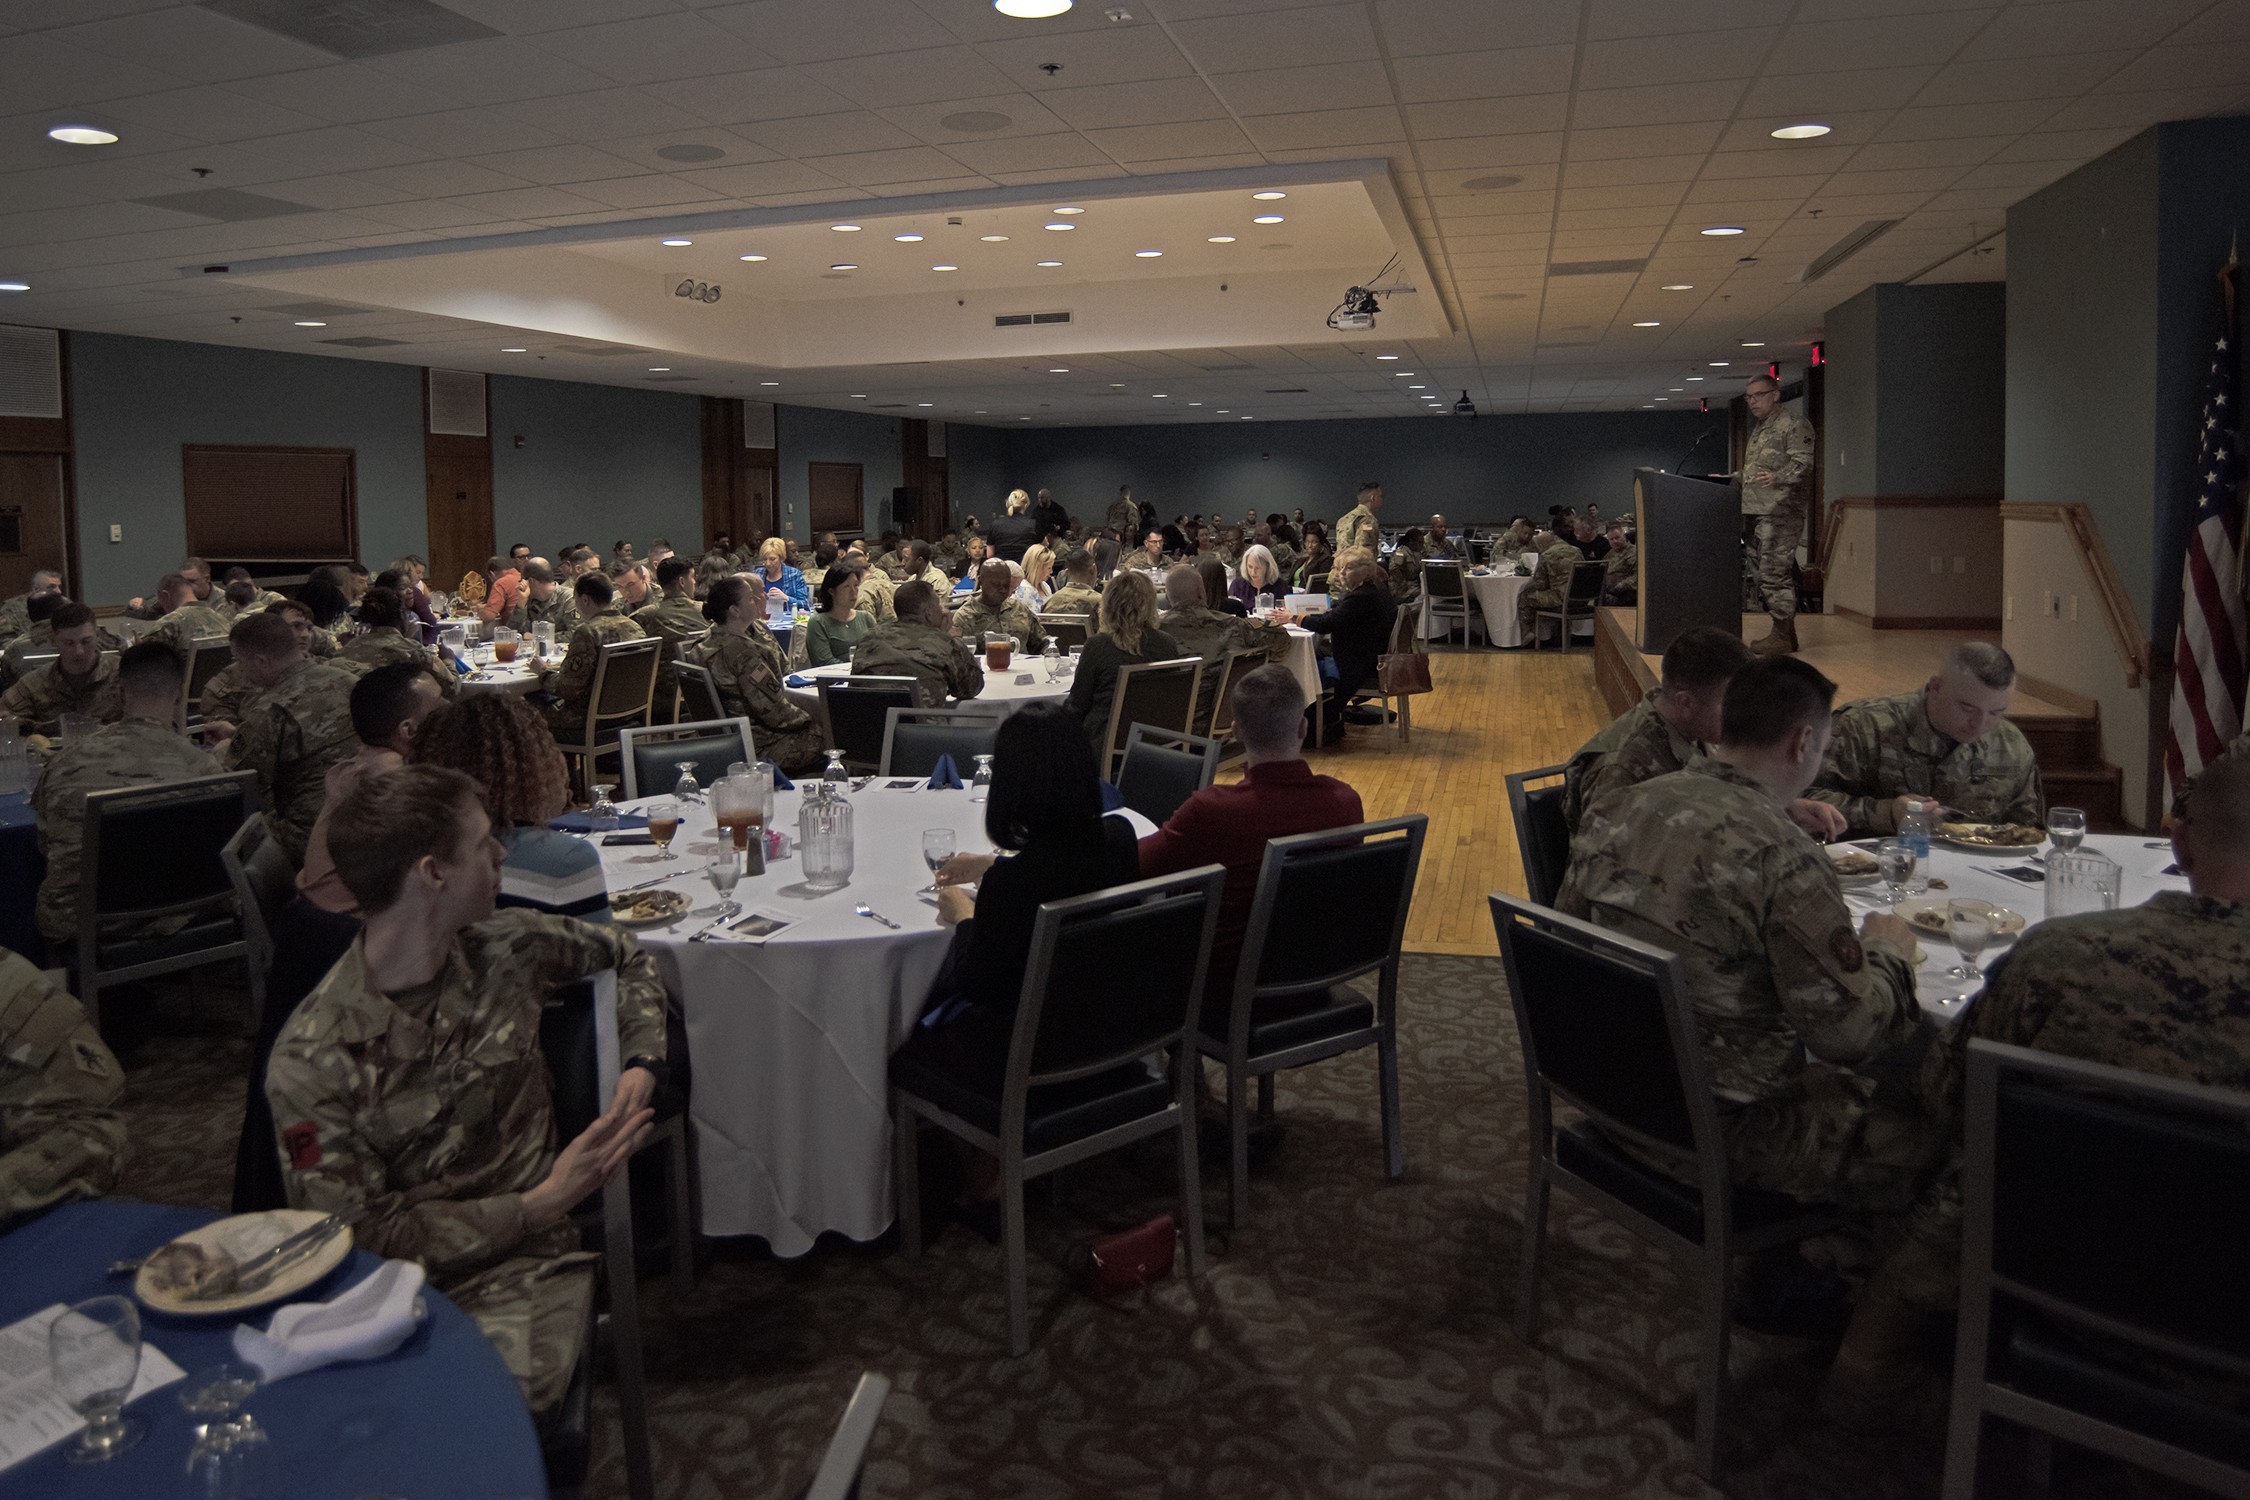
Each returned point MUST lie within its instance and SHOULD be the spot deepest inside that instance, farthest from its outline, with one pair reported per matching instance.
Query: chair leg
(1238, 1150)
(906, 1179)
(1191, 1182)
(2038, 1462)
(1265, 1096)
(1012, 1254)
(1534, 1247)
(1386, 1077)
(683, 1213)
(1711, 1378)
(625, 1336)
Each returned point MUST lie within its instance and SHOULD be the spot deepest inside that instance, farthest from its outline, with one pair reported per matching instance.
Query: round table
(517, 677)
(2143, 859)
(1005, 691)
(1495, 595)
(791, 1039)
(440, 1416)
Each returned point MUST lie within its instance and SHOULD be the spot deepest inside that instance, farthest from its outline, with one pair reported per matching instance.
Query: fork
(865, 910)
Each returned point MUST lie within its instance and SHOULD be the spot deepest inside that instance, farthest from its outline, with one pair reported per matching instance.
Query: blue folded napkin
(582, 821)
(1112, 798)
(797, 680)
(781, 783)
(943, 777)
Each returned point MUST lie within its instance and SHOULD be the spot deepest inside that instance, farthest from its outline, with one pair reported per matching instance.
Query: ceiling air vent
(30, 372)
(1845, 248)
(1597, 267)
(356, 28)
(1289, 390)
(364, 341)
(1028, 320)
(457, 402)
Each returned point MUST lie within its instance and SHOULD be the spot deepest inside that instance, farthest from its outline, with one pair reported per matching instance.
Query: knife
(260, 1268)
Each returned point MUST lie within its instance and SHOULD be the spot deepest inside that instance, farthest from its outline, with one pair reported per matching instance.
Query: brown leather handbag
(1399, 674)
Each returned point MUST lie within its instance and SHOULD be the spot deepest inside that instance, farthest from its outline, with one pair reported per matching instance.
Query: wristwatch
(656, 1066)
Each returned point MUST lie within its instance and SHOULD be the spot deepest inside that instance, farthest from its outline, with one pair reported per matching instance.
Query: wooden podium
(1690, 537)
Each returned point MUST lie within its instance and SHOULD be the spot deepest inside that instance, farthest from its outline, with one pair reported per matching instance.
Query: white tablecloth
(1495, 595)
(1303, 662)
(1965, 874)
(1005, 691)
(516, 677)
(791, 1040)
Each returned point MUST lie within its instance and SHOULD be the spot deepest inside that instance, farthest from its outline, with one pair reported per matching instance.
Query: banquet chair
(1542, 833)
(858, 713)
(1398, 708)
(1160, 694)
(32, 661)
(914, 738)
(668, 671)
(2112, 1203)
(1445, 595)
(1163, 768)
(652, 757)
(264, 883)
(1068, 632)
(1330, 907)
(840, 1466)
(1112, 978)
(698, 694)
(1235, 666)
(1608, 1031)
(123, 892)
(579, 1041)
(1316, 583)
(621, 695)
(207, 658)
(1580, 598)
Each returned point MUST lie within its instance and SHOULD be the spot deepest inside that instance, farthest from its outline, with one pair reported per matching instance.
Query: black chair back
(1163, 768)
(1542, 832)
(1585, 586)
(2128, 1208)
(1442, 580)
(710, 748)
(858, 711)
(1066, 631)
(567, 1042)
(1232, 669)
(1331, 905)
(1159, 694)
(189, 821)
(1124, 966)
(625, 681)
(1599, 1027)
(699, 695)
(914, 738)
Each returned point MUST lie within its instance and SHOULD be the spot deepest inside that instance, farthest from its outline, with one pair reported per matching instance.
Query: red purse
(1127, 1262)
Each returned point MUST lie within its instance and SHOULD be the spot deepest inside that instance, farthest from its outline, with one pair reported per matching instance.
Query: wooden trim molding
(1917, 622)
(2134, 650)
(1834, 526)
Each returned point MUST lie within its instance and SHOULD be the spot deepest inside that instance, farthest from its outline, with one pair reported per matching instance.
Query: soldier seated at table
(82, 679)
(747, 668)
(1550, 581)
(382, 640)
(920, 644)
(61, 1135)
(1621, 569)
(409, 1090)
(545, 602)
(600, 623)
(1794, 1010)
(1194, 626)
(1079, 593)
(296, 726)
(182, 619)
(15, 612)
(1405, 567)
(1948, 747)
(994, 608)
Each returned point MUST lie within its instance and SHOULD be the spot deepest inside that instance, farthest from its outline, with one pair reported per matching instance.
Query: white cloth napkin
(367, 1322)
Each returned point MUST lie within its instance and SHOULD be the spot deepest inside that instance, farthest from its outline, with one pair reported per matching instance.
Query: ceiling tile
(549, 165)
(527, 203)
(1323, 86)
(343, 95)
(655, 48)
(1122, 54)
(756, 180)
(1675, 171)
(1964, 151)
(1333, 127)
(1623, 195)
(1819, 95)
(1419, 28)
(38, 73)
(2078, 26)
(1692, 58)
(828, 135)
(339, 148)
(447, 132)
(600, 115)
(1622, 18)
(1661, 104)
(1486, 117)
(1155, 101)
(522, 16)
(1485, 75)
(191, 42)
(2028, 78)
(2140, 111)
(646, 192)
(921, 77)
(1642, 140)
(489, 72)
(440, 179)
(2072, 146)
(1024, 114)
(1875, 42)
(1241, 44)
(1490, 151)
(870, 168)
(2006, 118)
(2165, 68)
(767, 94)
(1184, 138)
(817, 30)
(209, 114)
(1042, 154)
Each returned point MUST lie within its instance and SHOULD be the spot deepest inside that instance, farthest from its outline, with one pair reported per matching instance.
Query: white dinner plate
(2007, 925)
(243, 1236)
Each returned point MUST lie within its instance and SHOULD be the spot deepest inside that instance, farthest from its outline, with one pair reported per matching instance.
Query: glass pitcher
(2082, 881)
(824, 838)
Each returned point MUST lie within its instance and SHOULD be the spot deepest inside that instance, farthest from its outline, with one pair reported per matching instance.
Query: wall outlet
(1851, 550)
(116, 533)
(1960, 565)
(2008, 607)
(2050, 604)
(1937, 565)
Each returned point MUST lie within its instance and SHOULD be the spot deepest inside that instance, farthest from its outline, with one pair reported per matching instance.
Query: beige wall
(1882, 565)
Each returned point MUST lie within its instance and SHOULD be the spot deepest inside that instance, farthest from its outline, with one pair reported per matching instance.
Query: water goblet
(232, 1454)
(95, 1348)
(980, 785)
(602, 818)
(2066, 826)
(1970, 924)
(725, 871)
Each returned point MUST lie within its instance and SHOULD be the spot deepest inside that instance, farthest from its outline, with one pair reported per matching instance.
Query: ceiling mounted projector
(1356, 311)
(1464, 407)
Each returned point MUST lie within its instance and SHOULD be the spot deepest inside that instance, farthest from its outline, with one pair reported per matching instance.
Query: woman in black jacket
(1012, 534)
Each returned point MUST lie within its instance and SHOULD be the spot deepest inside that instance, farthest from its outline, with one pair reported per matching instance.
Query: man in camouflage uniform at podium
(1776, 472)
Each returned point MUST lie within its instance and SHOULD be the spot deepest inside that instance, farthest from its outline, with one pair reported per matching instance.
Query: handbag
(1400, 673)
(1126, 1262)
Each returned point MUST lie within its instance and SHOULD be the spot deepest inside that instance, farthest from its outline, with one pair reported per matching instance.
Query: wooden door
(457, 478)
(33, 530)
(761, 507)
(837, 503)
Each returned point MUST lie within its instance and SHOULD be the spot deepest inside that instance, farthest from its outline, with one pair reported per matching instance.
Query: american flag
(2209, 658)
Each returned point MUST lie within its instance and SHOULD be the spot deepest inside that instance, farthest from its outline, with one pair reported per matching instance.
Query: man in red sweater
(1229, 825)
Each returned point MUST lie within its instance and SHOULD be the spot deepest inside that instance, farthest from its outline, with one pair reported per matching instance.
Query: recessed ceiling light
(1115, 386)
(310, 323)
(1220, 239)
(945, 268)
(925, 403)
(1068, 209)
(1753, 343)
(1269, 195)
(1663, 398)
(1675, 389)
(859, 395)
(1718, 364)
(769, 382)
(1799, 132)
(1160, 395)
(845, 228)
(659, 369)
(1402, 374)
(1681, 286)
(1031, 10)
(83, 135)
(1020, 419)
(993, 239)
(15, 286)
(907, 239)
(1692, 379)
(1249, 419)
(1720, 231)
(675, 244)
(1060, 225)
(1222, 411)
(1417, 387)
(513, 349)
(843, 265)
(1267, 219)
(1648, 325)
(1146, 254)
(1050, 263)
(1648, 408)
(1058, 369)
(1195, 403)
(750, 257)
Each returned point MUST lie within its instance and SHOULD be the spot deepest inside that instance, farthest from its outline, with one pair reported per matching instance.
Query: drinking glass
(603, 817)
(1896, 863)
(937, 847)
(1969, 922)
(2066, 826)
(95, 1348)
(834, 773)
(725, 870)
(980, 785)
(687, 788)
(663, 822)
(232, 1456)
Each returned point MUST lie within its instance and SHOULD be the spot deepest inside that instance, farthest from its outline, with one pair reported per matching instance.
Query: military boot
(1781, 640)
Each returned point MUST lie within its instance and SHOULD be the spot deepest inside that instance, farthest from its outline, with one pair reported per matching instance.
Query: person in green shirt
(838, 623)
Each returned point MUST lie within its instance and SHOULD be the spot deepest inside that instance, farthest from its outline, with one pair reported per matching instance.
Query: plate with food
(647, 908)
(248, 1261)
(1990, 838)
(1854, 865)
(1926, 916)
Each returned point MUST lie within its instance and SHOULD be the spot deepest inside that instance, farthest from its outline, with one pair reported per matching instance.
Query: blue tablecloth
(439, 1417)
(22, 867)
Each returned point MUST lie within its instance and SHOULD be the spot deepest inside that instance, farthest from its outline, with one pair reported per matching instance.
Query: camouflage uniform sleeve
(963, 678)
(1583, 789)
(2026, 805)
(728, 661)
(18, 703)
(556, 950)
(1792, 470)
(1034, 637)
(61, 1136)
(576, 676)
(1850, 779)
(1846, 1000)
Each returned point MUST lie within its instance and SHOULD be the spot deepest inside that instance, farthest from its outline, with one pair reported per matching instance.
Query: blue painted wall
(1916, 394)
(135, 401)
(808, 434)
(597, 462)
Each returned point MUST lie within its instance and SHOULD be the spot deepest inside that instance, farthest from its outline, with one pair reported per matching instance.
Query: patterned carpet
(1353, 1341)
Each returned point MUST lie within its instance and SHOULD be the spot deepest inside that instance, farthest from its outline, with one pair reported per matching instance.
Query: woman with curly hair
(1128, 636)
(500, 742)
